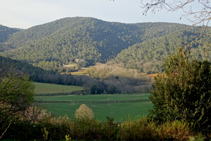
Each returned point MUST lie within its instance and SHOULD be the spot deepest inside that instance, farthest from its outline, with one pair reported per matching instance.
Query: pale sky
(27, 13)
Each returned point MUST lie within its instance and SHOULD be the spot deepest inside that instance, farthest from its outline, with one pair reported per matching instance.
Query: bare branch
(197, 16)
(6, 129)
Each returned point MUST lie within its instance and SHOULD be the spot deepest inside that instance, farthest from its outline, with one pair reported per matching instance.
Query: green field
(102, 97)
(45, 88)
(119, 111)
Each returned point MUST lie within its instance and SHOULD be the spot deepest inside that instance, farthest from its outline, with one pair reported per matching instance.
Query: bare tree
(197, 15)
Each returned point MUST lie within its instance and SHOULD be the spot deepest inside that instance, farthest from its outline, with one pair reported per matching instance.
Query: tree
(183, 92)
(16, 95)
(200, 15)
(84, 113)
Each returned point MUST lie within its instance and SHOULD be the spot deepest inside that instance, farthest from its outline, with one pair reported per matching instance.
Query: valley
(112, 74)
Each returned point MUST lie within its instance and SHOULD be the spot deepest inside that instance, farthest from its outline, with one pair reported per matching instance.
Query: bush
(84, 112)
(183, 92)
(137, 130)
(58, 128)
(175, 130)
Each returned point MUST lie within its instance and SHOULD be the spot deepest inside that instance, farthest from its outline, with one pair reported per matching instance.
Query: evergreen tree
(183, 92)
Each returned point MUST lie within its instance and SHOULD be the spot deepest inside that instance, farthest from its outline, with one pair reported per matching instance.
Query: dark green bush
(183, 92)
(22, 130)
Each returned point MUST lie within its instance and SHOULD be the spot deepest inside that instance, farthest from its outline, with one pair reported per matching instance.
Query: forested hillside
(5, 32)
(62, 41)
(149, 56)
(141, 46)
(35, 73)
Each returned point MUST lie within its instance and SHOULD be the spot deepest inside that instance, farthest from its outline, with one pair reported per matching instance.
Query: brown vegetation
(125, 80)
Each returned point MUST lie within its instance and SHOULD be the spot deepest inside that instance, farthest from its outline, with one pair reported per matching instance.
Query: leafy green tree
(183, 92)
(16, 95)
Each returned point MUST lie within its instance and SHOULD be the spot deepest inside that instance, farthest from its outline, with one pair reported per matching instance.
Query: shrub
(175, 130)
(109, 129)
(183, 92)
(84, 112)
(137, 130)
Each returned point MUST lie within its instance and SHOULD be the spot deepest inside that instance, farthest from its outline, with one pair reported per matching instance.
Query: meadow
(100, 97)
(45, 88)
(118, 111)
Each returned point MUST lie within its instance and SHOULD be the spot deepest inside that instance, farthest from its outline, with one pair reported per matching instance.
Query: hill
(149, 56)
(35, 73)
(5, 32)
(61, 42)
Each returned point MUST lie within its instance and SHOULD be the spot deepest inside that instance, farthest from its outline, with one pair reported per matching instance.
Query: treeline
(90, 84)
(121, 79)
(37, 74)
(148, 57)
(92, 40)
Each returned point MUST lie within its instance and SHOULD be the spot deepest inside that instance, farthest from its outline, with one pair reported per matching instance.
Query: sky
(28, 13)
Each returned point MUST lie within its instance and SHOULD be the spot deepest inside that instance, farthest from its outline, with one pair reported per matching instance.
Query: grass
(80, 72)
(102, 97)
(119, 111)
(44, 88)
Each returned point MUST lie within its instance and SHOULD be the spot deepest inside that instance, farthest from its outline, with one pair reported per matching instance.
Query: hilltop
(92, 40)
(141, 46)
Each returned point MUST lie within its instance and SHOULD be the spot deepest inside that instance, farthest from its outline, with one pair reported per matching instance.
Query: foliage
(175, 130)
(140, 129)
(5, 32)
(148, 56)
(183, 92)
(38, 74)
(54, 44)
(84, 113)
(67, 137)
(145, 45)
(16, 95)
(121, 80)
(45, 134)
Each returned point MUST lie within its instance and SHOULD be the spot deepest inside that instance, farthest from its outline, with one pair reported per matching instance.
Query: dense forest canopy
(149, 56)
(93, 40)
(5, 32)
(141, 46)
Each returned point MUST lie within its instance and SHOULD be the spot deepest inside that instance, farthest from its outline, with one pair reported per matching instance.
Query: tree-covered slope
(149, 56)
(90, 39)
(35, 73)
(5, 32)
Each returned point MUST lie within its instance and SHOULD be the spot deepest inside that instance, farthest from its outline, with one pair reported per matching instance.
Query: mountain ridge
(62, 41)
